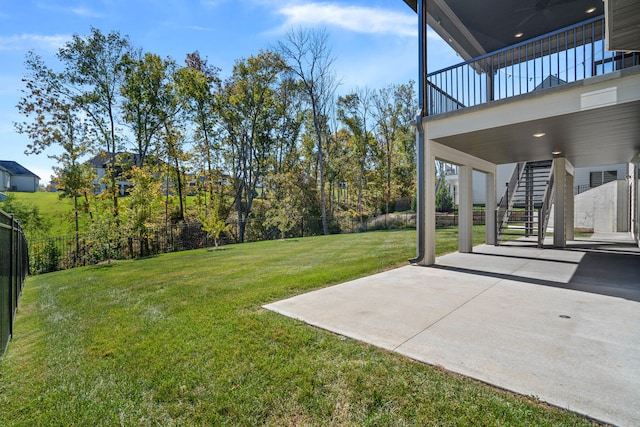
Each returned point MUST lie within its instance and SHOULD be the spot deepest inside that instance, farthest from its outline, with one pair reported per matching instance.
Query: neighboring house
(552, 86)
(5, 179)
(595, 176)
(20, 178)
(101, 164)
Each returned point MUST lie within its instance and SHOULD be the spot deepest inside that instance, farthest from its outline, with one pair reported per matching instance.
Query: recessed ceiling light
(539, 134)
(591, 10)
(556, 153)
(518, 35)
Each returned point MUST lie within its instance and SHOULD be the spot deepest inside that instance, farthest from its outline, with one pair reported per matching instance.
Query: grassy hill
(181, 339)
(57, 212)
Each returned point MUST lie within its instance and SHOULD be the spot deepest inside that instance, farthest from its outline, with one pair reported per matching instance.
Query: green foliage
(286, 209)
(444, 201)
(143, 206)
(32, 221)
(44, 257)
(212, 220)
(181, 339)
(104, 234)
(269, 132)
(51, 256)
(248, 111)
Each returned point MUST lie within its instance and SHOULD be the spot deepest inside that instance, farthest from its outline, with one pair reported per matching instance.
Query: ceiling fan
(541, 7)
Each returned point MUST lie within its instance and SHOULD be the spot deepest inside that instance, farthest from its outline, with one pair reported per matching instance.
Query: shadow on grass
(142, 258)
(219, 248)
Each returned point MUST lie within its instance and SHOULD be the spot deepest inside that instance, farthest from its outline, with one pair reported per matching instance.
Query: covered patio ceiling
(604, 136)
(474, 28)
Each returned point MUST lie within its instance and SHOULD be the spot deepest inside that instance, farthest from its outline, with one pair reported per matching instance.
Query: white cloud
(353, 18)
(22, 42)
(212, 3)
(85, 12)
(81, 11)
(199, 28)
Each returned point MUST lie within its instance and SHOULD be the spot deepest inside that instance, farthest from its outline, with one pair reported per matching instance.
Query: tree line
(273, 140)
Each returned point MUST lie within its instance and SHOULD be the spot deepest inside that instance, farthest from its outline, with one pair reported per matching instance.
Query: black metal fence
(14, 264)
(49, 254)
(61, 253)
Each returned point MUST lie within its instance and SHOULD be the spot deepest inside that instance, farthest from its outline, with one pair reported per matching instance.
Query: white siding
(4, 180)
(582, 175)
(27, 184)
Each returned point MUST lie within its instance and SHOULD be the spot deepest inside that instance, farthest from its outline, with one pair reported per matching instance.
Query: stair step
(529, 193)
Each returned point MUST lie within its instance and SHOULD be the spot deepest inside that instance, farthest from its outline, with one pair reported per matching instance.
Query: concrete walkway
(561, 325)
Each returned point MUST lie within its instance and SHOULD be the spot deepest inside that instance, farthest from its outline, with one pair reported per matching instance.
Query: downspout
(422, 112)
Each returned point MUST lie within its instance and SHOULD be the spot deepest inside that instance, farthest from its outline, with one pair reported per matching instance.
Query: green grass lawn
(181, 339)
(58, 212)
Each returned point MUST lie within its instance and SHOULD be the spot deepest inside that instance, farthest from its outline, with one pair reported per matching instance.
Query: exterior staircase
(524, 207)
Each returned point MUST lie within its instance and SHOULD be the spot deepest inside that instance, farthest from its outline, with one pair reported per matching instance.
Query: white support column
(429, 204)
(559, 211)
(490, 208)
(636, 225)
(465, 209)
(570, 208)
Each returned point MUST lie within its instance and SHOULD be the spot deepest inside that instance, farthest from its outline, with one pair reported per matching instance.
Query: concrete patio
(560, 325)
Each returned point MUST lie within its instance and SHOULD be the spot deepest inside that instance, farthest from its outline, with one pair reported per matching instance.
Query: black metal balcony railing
(567, 55)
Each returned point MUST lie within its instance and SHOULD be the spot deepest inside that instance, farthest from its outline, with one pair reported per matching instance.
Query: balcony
(570, 54)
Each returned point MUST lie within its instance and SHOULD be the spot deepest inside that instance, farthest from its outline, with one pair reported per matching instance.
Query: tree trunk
(388, 175)
(75, 208)
(323, 202)
(179, 182)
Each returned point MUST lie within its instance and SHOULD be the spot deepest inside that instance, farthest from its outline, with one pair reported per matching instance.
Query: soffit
(596, 137)
(474, 28)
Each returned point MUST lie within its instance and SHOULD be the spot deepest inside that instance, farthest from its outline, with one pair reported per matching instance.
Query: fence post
(12, 264)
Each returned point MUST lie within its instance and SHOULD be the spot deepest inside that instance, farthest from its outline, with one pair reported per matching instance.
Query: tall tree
(51, 119)
(309, 57)
(173, 147)
(289, 121)
(249, 113)
(143, 91)
(354, 111)
(93, 74)
(198, 85)
(143, 207)
(393, 110)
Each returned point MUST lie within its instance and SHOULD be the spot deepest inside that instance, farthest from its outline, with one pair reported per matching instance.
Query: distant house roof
(102, 160)
(15, 168)
(550, 81)
(98, 161)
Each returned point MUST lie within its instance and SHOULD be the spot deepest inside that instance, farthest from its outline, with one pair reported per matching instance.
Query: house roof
(14, 168)
(473, 28)
(102, 160)
(98, 161)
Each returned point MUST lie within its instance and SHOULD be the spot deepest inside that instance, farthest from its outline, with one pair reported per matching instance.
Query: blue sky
(374, 41)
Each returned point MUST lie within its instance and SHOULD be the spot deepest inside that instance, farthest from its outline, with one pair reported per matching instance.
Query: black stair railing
(506, 202)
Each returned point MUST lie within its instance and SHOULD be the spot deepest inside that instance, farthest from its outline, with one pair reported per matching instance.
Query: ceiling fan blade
(525, 20)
